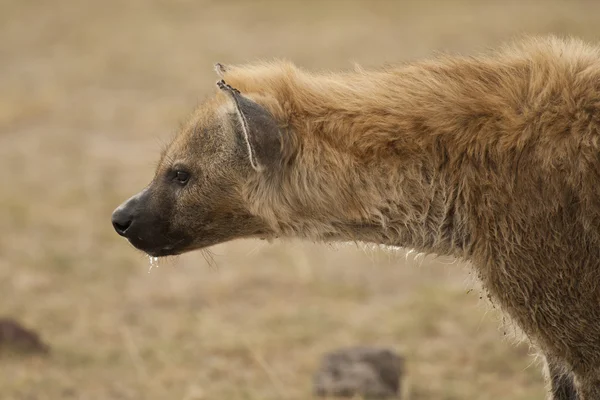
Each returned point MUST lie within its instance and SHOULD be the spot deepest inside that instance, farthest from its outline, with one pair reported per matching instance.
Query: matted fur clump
(493, 159)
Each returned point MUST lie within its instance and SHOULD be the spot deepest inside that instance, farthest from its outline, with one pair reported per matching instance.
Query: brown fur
(492, 159)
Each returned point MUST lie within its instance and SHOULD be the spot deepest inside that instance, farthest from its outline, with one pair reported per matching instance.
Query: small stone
(15, 338)
(373, 373)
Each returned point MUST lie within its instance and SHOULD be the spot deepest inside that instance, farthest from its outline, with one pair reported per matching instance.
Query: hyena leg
(588, 386)
(561, 380)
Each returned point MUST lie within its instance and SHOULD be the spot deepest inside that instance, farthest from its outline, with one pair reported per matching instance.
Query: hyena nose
(121, 220)
(125, 215)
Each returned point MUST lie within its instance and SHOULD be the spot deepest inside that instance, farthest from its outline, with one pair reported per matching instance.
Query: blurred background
(90, 91)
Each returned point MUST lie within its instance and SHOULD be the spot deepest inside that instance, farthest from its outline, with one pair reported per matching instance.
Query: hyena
(492, 159)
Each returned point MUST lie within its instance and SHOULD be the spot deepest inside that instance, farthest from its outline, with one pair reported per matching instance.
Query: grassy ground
(90, 90)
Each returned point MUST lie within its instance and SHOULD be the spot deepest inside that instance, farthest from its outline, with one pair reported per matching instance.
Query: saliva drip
(153, 263)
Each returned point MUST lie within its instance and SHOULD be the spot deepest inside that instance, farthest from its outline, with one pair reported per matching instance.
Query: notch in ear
(220, 69)
(258, 128)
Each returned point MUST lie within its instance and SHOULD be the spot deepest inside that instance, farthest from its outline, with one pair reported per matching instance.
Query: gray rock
(16, 338)
(373, 373)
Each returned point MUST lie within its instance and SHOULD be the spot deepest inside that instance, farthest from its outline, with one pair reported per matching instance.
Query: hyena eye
(182, 177)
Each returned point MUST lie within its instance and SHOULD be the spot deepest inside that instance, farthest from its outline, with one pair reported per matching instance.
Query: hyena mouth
(159, 250)
(163, 252)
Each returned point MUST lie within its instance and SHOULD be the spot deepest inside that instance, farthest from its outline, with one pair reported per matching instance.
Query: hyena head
(196, 198)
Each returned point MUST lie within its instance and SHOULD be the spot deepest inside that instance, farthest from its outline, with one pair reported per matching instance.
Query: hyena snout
(144, 220)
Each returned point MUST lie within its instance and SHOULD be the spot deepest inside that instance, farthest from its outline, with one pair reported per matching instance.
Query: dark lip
(164, 251)
(161, 253)
(181, 247)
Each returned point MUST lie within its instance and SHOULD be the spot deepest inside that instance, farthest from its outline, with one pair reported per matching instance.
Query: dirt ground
(91, 90)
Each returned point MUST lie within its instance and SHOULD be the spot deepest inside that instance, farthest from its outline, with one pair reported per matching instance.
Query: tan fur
(493, 159)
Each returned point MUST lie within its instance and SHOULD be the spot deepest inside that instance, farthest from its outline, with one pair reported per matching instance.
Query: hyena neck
(383, 156)
(406, 205)
(400, 206)
(332, 192)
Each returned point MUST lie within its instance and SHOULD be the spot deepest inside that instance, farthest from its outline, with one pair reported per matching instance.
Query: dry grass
(88, 92)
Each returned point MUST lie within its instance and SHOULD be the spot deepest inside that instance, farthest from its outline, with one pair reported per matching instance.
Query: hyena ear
(220, 69)
(259, 130)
